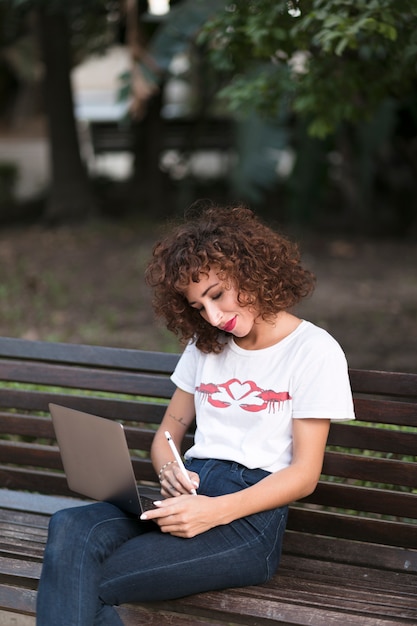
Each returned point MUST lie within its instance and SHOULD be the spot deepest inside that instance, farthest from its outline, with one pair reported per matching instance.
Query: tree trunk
(148, 184)
(71, 197)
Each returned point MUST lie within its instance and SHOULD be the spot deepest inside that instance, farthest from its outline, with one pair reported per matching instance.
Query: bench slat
(98, 380)
(357, 528)
(26, 426)
(383, 383)
(152, 615)
(135, 410)
(385, 411)
(377, 439)
(93, 356)
(27, 571)
(362, 499)
(55, 483)
(355, 467)
(17, 599)
(351, 552)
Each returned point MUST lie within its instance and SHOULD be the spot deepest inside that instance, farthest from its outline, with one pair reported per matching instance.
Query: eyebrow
(205, 292)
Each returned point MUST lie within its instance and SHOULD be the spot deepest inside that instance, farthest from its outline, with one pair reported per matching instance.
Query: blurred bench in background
(182, 134)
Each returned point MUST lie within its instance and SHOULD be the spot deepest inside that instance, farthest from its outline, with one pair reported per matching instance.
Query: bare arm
(188, 516)
(294, 482)
(178, 417)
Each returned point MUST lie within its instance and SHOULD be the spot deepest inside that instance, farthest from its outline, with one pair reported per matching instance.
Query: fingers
(171, 517)
(174, 483)
(164, 508)
(170, 491)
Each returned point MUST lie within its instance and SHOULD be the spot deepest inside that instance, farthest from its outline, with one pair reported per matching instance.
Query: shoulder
(314, 336)
(315, 347)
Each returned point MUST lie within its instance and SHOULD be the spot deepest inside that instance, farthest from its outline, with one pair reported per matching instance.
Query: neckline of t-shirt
(276, 346)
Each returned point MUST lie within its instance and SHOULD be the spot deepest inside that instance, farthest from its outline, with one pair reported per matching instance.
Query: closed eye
(197, 307)
(200, 309)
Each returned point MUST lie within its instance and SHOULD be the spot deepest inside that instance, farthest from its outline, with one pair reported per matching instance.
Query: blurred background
(116, 116)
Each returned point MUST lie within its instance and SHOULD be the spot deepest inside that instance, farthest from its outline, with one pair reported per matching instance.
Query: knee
(60, 533)
(60, 538)
(59, 524)
(77, 527)
(68, 525)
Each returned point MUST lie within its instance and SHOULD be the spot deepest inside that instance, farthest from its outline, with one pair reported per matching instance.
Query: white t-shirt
(245, 400)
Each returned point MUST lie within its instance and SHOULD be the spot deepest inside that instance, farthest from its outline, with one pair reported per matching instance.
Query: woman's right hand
(174, 483)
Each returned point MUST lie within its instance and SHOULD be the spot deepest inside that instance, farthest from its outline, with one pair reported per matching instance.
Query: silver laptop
(96, 460)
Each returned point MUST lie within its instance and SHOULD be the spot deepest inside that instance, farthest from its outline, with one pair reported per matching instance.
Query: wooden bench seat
(350, 552)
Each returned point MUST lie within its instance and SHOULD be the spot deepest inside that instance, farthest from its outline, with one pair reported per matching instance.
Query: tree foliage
(329, 61)
(330, 82)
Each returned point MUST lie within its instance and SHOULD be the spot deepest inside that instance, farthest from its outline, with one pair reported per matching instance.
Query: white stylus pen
(178, 459)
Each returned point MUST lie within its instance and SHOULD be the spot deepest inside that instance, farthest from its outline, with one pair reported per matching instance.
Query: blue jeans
(98, 557)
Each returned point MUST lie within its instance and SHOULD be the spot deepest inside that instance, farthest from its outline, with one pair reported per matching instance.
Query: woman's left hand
(183, 516)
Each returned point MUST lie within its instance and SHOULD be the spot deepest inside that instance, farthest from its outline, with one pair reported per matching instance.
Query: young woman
(262, 385)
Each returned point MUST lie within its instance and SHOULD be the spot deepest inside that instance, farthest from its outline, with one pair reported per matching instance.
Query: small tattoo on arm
(180, 420)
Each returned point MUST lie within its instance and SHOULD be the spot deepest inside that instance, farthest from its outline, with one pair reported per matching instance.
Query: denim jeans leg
(79, 541)
(156, 566)
(98, 557)
(159, 566)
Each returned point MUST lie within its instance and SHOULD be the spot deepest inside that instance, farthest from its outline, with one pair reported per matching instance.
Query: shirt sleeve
(321, 386)
(184, 374)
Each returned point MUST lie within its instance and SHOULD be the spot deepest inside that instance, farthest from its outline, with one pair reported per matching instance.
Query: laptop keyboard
(147, 503)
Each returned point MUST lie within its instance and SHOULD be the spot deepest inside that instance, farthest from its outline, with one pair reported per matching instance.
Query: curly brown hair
(263, 265)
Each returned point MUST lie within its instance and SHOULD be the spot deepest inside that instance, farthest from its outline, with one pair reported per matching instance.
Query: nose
(213, 314)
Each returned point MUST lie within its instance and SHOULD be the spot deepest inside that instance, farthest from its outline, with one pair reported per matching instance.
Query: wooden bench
(350, 552)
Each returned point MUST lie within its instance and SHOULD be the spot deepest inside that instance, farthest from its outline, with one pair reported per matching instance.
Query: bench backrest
(368, 491)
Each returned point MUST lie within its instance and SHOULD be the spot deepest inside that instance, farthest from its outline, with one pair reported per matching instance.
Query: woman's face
(217, 302)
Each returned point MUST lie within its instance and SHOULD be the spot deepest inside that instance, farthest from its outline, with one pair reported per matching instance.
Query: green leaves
(357, 54)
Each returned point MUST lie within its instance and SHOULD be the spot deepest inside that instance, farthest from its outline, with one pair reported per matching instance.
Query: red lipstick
(230, 325)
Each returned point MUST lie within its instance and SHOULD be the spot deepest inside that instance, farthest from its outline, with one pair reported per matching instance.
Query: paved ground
(12, 619)
(31, 157)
